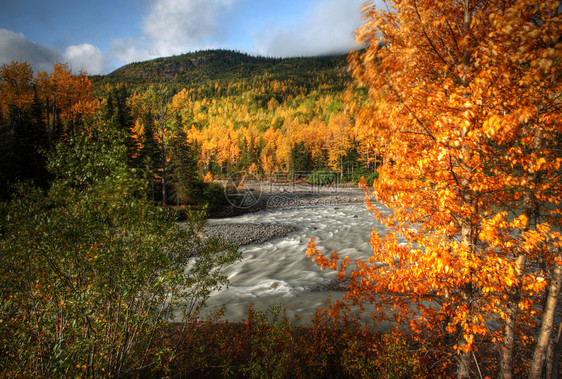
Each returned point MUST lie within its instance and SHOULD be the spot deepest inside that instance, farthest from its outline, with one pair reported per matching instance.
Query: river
(278, 271)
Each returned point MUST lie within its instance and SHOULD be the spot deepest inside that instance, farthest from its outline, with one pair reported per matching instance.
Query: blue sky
(99, 36)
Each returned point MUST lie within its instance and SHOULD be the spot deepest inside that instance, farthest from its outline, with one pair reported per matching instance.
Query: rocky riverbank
(272, 197)
(262, 197)
(246, 234)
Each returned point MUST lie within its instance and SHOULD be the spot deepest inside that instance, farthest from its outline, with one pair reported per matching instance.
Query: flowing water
(278, 271)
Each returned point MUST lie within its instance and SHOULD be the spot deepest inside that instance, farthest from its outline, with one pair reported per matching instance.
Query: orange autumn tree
(67, 97)
(16, 88)
(340, 140)
(464, 102)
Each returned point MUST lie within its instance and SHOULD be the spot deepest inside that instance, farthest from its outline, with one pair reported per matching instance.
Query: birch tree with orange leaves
(465, 99)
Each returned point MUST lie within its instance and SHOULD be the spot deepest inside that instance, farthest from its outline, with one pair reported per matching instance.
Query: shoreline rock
(247, 234)
(272, 198)
(241, 234)
(334, 285)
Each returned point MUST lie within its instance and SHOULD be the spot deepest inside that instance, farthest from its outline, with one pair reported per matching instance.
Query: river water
(278, 271)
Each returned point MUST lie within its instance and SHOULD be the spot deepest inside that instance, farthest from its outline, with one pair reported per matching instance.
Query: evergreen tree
(118, 113)
(149, 158)
(186, 182)
(301, 159)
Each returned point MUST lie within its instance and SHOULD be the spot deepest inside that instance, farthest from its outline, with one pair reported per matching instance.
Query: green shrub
(213, 195)
(323, 177)
(361, 172)
(92, 273)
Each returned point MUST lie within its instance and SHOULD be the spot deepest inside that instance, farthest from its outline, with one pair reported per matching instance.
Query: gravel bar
(247, 234)
(279, 198)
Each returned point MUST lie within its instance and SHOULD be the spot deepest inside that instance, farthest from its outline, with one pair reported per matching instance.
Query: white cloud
(327, 29)
(128, 50)
(179, 26)
(15, 47)
(85, 57)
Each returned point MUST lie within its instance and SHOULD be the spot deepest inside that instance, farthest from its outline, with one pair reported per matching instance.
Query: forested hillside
(235, 112)
(202, 114)
(224, 67)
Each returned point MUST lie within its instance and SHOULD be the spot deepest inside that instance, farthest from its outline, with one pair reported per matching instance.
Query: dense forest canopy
(243, 113)
(231, 111)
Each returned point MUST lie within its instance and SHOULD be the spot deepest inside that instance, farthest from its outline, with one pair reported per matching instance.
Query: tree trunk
(553, 363)
(547, 327)
(506, 358)
(553, 359)
(530, 210)
(467, 227)
(49, 136)
(463, 366)
(163, 158)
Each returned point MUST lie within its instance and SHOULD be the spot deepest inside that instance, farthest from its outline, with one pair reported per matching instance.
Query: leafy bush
(92, 273)
(323, 177)
(270, 345)
(361, 172)
(213, 195)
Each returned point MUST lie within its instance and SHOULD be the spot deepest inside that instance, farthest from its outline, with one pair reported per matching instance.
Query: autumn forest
(450, 117)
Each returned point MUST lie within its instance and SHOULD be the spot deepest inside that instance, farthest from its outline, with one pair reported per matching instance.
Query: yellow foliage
(464, 111)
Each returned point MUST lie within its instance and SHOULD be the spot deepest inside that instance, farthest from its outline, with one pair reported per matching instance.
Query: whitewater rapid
(279, 272)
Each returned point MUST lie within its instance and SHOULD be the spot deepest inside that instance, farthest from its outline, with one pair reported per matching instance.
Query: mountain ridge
(225, 66)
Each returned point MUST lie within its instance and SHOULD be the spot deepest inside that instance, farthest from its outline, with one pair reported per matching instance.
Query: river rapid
(279, 272)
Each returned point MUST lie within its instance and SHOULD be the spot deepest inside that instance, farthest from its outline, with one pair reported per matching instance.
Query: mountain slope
(224, 66)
